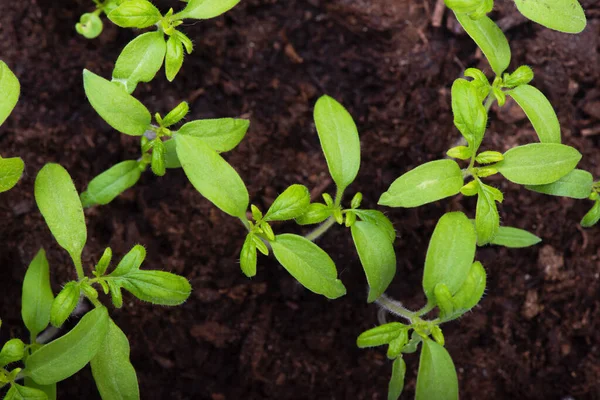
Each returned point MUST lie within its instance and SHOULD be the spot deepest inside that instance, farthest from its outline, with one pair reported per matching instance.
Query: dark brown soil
(536, 334)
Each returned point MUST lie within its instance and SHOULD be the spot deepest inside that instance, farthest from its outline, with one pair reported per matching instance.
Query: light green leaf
(377, 256)
(108, 185)
(339, 140)
(135, 14)
(64, 303)
(437, 378)
(173, 58)
(315, 214)
(114, 375)
(10, 90)
(37, 297)
(12, 351)
(490, 39)
(205, 9)
(117, 107)
(292, 203)
(131, 261)
(212, 176)
(380, 335)
(220, 134)
(397, 380)
(514, 238)
(592, 217)
(561, 15)
(18, 392)
(157, 287)
(487, 219)
(59, 203)
(248, 256)
(89, 26)
(378, 218)
(470, 293)
(309, 264)
(577, 184)
(171, 159)
(470, 116)
(450, 253)
(427, 183)
(66, 355)
(11, 170)
(140, 60)
(539, 111)
(49, 390)
(538, 163)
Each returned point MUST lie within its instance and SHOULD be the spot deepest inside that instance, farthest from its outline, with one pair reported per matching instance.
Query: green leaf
(157, 287)
(117, 107)
(450, 253)
(64, 304)
(427, 183)
(514, 238)
(290, 204)
(470, 116)
(539, 111)
(395, 347)
(171, 159)
(592, 217)
(220, 134)
(140, 60)
(176, 114)
(59, 203)
(10, 89)
(380, 335)
(487, 219)
(68, 354)
(577, 184)
(37, 297)
(436, 379)
(309, 264)
(158, 158)
(205, 9)
(49, 390)
(396, 385)
(470, 293)
(339, 139)
(212, 176)
(248, 256)
(135, 14)
(12, 351)
(538, 163)
(561, 15)
(490, 39)
(18, 392)
(378, 218)
(114, 375)
(130, 262)
(108, 185)
(89, 26)
(11, 170)
(377, 256)
(314, 214)
(173, 58)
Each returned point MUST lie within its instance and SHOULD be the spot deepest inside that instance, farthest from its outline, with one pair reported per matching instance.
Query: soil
(536, 334)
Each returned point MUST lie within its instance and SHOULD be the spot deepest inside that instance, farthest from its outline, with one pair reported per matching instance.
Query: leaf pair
(11, 169)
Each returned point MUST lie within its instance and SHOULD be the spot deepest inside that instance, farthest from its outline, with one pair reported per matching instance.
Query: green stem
(339, 194)
(78, 267)
(318, 232)
(397, 308)
(488, 102)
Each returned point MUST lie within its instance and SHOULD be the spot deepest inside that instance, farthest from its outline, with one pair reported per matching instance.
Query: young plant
(95, 339)
(11, 169)
(141, 59)
(454, 283)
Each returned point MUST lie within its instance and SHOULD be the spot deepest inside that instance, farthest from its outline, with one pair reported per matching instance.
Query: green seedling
(11, 169)
(96, 339)
(453, 283)
(141, 59)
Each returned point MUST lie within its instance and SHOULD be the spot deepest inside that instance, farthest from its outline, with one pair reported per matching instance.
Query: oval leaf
(212, 176)
(66, 355)
(470, 293)
(561, 15)
(514, 238)
(487, 219)
(135, 14)
(380, 335)
(248, 256)
(539, 111)
(140, 60)
(470, 116)
(290, 204)
(59, 203)
(377, 256)
(49, 390)
(220, 134)
(114, 375)
(171, 159)
(396, 385)
(309, 264)
(427, 183)
(339, 140)
(157, 287)
(378, 218)
(11, 170)
(577, 184)
(436, 378)
(592, 217)
(108, 185)
(450, 254)
(173, 57)
(205, 9)
(538, 163)
(117, 107)
(37, 297)
(18, 392)
(10, 89)
(490, 39)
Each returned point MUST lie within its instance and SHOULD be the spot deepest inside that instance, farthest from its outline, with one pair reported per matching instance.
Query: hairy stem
(318, 232)
(395, 307)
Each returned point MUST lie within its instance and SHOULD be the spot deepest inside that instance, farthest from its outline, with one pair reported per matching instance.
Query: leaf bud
(12, 351)
(470, 189)
(176, 114)
(89, 26)
(460, 152)
(64, 304)
(488, 157)
(522, 76)
(356, 200)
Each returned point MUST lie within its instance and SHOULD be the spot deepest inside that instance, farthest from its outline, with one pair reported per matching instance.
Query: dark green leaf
(592, 217)
(18, 392)
(64, 303)
(171, 159)
(49, 390)
(12, 351)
